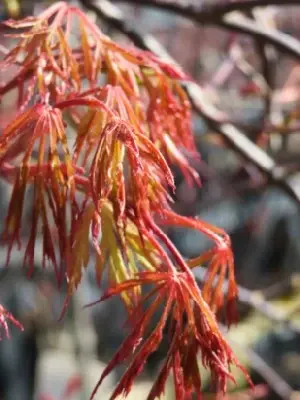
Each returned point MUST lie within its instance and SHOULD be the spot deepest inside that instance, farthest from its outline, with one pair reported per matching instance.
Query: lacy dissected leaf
(27, 22)
(6, 316)
(52, 177)
(129, 120)
(220, 263)
(192, 329)
(126, 166)
(166, 124)
(80, 247)
(119, 248)
(141, 86)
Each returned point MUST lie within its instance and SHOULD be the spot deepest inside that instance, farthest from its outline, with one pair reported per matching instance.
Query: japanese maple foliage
(97, 129)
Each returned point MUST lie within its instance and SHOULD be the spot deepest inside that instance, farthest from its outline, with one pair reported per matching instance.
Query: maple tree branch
(281, 41)
(217, 120)
(219, 15)
(268, 56)
(208, 13)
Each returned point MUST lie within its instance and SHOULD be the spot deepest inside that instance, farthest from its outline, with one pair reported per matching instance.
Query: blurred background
(247, 130)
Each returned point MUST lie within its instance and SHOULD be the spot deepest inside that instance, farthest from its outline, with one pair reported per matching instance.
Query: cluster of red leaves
(192, 329)
(98, 127)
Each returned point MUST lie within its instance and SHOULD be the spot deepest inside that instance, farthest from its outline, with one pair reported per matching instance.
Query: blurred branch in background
(208, 12)
(236, 22)
(275, 381)
(217, 120)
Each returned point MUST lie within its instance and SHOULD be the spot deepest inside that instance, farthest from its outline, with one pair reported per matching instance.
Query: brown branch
(268, 56)
(209, 13)
(212, 15)
(247, 69)
(281, 41)
(235, 60)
